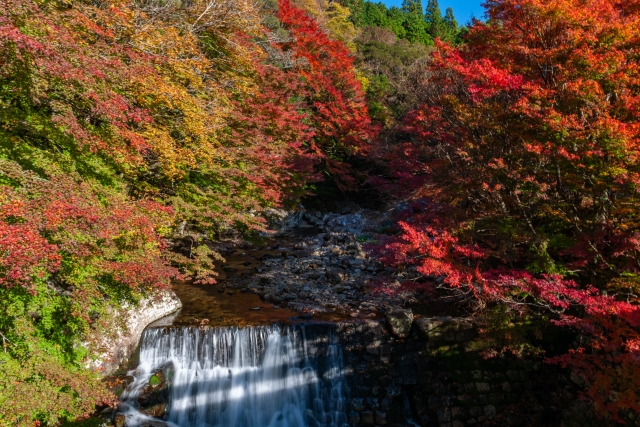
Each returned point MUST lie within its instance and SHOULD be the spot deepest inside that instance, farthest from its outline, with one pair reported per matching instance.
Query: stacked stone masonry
(435, 377)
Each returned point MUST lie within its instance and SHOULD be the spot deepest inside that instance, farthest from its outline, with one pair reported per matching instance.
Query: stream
(311, 330)
(230, 358)
(260, 376)
(260, 348)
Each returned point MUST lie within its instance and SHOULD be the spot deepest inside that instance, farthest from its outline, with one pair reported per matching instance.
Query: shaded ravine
(253, 377)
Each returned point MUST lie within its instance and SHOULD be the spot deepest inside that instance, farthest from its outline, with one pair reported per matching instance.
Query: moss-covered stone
(154, 381)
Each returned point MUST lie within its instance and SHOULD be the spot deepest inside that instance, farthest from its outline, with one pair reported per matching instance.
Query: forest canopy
(135, 133)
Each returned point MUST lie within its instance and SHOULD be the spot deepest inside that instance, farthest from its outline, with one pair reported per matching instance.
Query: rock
(373, 402)
(481, 387)
(353, 224)
(385, 405)
(444, 415)
(119, 420)
(336, 275)
(158, 410)
(122, 347)
(156, 392)
(255, 308)
(367, 417)
(336, 251)
(281, 219)
(357, 404)
(400, 321)
(117, 385)
(445, 328)
(353, 247)
(158, 379)
(353, 418)
(153, 423)
(306, 253)
(107, 414)
(490, 411)
(381, 418)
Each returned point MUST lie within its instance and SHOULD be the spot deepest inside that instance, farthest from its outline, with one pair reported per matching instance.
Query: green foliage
(450, 25)
(409, 22)
(433, 16)
(543, 262)
(506, 334)
(41, 364)
(392, 67)
(154, 380)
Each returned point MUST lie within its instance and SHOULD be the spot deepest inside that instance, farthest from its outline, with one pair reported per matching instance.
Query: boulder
(445, 328)
(336, 275)
(155, 395)
(352, 223)
(153, 423)
(158, 410)
(400, 321)
(119, 420)
(282, 220)
(303, 253)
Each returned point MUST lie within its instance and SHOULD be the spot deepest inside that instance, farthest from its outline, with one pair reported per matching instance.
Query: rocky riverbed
(318, 265)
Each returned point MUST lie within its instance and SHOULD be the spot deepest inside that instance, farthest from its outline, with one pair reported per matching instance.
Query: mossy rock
(154, 381)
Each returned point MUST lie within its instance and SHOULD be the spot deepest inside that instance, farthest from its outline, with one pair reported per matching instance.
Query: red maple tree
(527, 146)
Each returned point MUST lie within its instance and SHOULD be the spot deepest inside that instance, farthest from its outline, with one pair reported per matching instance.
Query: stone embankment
(429, 372)
(121, 343)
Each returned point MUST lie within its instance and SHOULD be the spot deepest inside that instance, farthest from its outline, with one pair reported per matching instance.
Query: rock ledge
(122, 347)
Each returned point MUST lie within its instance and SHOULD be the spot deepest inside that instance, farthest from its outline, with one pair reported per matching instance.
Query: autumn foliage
(527, 146)
(126, 127)
(332, 97)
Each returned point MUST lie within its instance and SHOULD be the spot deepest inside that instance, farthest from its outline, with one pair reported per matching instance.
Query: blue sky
(462, 9)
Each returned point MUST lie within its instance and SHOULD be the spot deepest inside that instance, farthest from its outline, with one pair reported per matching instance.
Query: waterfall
(251, 377)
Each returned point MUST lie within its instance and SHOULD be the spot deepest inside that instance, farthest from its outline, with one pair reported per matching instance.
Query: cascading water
(251, 377)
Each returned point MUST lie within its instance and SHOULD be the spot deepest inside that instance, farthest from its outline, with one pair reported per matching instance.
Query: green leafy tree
(396, 22)
(375, 15)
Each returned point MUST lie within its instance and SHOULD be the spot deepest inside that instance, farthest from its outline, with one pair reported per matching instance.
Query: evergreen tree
(414, 22)
(433, 17)
(413, 6)
(450, 26)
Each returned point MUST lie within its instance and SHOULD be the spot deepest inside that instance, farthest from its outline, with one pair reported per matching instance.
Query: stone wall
(436, 377)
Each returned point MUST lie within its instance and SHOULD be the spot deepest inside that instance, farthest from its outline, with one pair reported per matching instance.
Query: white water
(252, 377)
